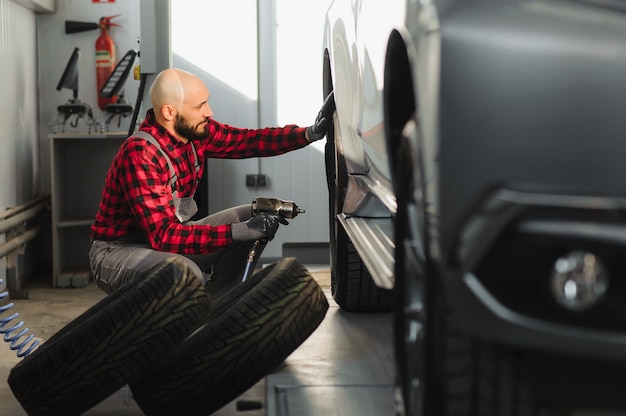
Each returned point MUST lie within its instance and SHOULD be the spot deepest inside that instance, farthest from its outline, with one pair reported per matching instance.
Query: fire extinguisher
(105, 58)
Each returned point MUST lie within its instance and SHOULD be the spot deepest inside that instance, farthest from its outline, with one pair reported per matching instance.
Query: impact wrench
(286, 209)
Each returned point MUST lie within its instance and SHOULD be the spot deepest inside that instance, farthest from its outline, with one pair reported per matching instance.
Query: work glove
(261, 226)
(318, 130)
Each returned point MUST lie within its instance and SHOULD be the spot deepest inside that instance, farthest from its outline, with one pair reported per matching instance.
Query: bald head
(170, 87)
(180, 97)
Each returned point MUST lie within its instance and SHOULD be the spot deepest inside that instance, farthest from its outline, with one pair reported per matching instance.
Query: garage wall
(19, 149)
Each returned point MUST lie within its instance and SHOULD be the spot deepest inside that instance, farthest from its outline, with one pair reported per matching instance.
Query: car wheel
(111, 343)
(352, 286)
(410, 268)
(441, 370)
(250, 333)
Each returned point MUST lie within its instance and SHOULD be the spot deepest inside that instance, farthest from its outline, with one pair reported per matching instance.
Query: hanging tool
(274, 206)
(26, 345)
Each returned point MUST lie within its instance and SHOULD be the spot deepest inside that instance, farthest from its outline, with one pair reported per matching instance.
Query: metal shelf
(79, 163)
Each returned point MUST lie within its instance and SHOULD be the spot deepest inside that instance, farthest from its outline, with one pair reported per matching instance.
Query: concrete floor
(344, 368)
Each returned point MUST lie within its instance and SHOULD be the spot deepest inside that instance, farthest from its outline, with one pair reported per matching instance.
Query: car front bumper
(505, 253)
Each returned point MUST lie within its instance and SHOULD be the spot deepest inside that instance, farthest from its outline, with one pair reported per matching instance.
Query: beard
(189, 132)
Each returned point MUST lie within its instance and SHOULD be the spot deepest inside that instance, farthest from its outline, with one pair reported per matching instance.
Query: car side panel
(357, 55)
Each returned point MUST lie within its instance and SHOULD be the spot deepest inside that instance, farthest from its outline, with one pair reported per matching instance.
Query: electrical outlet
(256, 180)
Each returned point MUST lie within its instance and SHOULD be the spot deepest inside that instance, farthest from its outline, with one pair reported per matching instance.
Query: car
(476, 178)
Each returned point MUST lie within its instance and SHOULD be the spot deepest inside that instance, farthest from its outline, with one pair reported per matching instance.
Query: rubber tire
(250, 334)
(111, 343)
(352, 286)
(473, 377)
(224, 302)
(354, 289)
(413, 278)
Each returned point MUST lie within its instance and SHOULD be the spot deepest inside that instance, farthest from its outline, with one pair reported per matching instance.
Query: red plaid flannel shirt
(137, 198)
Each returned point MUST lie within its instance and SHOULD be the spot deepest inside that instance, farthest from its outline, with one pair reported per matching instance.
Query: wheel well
(327, 79)
(398, 95)
(327, 87)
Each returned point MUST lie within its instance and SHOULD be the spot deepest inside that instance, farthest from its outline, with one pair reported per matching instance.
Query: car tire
(411, 303)
(440, 369)
(111, 343)
(352, 286)
(253, 329)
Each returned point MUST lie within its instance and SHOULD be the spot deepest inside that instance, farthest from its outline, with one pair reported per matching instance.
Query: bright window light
(220, 37)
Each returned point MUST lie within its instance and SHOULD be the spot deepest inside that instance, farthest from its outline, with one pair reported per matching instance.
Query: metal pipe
(18, 241)
(12, 211)
(11, 219)
(20, 218)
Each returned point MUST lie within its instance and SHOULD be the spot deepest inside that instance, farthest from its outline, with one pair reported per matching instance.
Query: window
(220, 38)
(299, 38)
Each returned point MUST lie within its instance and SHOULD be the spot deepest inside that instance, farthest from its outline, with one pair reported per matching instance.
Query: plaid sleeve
(145, 178)
(236, 143)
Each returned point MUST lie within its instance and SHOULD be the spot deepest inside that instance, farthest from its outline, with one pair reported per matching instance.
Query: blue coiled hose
(24, 344)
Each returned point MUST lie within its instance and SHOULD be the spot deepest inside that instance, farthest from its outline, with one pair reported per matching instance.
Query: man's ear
(168, 112)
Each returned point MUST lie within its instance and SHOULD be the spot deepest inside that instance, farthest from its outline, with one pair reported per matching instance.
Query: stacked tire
(179, 352)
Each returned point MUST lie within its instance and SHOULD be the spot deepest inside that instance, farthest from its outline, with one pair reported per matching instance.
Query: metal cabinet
(79, 163)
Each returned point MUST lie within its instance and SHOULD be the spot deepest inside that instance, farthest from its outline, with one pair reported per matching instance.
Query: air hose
(24, 344)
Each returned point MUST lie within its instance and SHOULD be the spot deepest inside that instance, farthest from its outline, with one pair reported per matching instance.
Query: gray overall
(186, 207)
(114, 263)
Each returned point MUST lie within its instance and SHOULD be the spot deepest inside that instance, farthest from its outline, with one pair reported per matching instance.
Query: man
(147, 201)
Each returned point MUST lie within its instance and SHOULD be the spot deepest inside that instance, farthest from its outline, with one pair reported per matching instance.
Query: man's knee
(194, 268)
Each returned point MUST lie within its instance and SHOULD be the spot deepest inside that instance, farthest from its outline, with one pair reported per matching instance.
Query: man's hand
(318, 130)
(261, 226)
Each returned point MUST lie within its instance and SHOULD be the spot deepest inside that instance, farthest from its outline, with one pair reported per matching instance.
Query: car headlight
(578, 280)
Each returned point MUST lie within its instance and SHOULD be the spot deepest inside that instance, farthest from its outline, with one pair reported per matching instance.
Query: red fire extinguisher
(105, 58)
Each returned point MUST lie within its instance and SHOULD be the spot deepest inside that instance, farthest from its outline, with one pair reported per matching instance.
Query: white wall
(299, 37)
(18, 118)
(19, 143)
